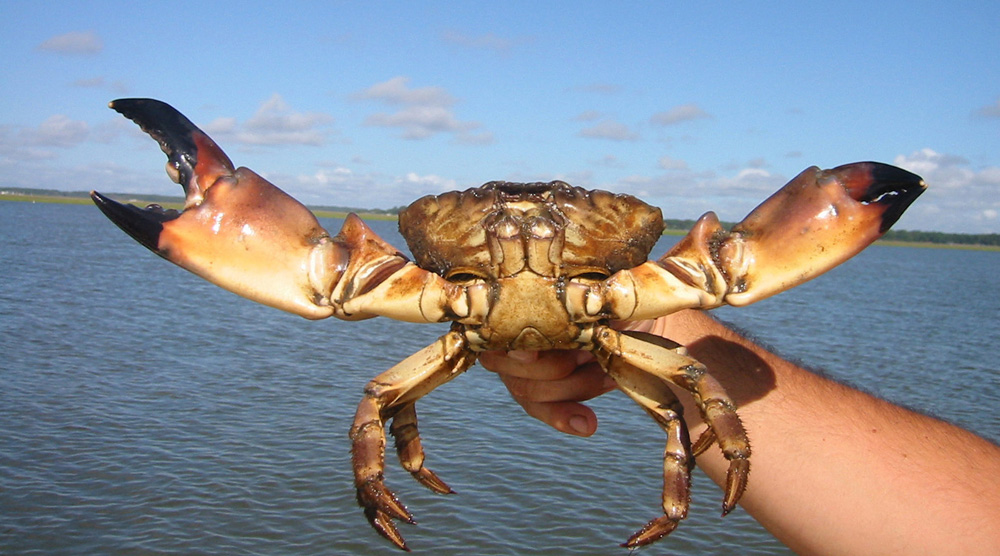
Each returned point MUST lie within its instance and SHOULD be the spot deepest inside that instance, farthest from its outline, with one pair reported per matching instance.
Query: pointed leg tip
(704, 442)
(430, 480)
(377, 500)
(653, 531)
(727, 508)
(383, 525)
(736, 484)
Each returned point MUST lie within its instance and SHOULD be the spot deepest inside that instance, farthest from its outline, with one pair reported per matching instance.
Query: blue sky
(375, 104)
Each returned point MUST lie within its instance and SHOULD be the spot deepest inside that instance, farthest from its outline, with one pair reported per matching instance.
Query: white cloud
(588, 116)
(395, 91)
(988, 111)
(669, 163)
(57, 131)
(609, 129)
(678, 114)
(684, 193)
(959, 198)
(74, 42)
(274, 123)
(751, 183)
(478, 138)
(99, 82)
(424, 112)
(420, 122)
(336, 185)
(609, 161)
(943, 170)
(341, 186)
(429, 183)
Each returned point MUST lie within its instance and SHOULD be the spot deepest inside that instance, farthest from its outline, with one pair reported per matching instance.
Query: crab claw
(815, 222)
(237, 230)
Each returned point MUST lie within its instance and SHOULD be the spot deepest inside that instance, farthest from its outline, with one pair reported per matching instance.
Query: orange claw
(815, 222)
(237, 230)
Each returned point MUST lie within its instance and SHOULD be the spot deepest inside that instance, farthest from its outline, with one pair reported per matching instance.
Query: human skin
(833, 470)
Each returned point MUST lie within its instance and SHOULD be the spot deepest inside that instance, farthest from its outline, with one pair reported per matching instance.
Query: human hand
(550, 385)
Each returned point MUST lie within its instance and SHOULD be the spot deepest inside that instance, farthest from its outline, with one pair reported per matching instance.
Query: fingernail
(579, 425)
(609, 383)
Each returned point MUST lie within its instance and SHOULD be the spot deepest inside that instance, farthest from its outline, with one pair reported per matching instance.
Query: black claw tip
(171, 129)
(890, 188)
(144, 225)
(896, 189)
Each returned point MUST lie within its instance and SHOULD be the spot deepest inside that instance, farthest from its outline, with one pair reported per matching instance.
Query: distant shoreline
(84, 199)
(81, 198)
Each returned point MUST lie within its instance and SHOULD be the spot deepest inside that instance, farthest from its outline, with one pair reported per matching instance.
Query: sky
(374, 104)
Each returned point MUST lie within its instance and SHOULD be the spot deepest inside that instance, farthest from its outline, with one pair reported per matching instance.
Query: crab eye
(590, 277)
(464, 278)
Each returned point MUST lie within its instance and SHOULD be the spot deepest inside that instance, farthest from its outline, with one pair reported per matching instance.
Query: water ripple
(156, 414)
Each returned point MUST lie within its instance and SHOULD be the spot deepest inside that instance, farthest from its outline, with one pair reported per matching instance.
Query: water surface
(146, 411)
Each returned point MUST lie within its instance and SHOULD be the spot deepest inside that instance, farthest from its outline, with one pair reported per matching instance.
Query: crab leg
(240, 232)
(815, 222)
(661, 361)
(411, 452)
(387, 395)
(653, 395)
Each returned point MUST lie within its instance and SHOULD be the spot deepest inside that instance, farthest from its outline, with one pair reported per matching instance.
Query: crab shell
(512, 266)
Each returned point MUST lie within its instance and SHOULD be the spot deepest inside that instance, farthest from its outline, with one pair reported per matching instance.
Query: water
(143, 410)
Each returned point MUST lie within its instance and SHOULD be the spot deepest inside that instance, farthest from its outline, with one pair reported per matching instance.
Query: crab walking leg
(652, 394)
(658, 357)
(411, 452)
(385, 396)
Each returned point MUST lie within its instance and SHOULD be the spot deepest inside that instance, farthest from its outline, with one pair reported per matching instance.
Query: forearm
(836, 471)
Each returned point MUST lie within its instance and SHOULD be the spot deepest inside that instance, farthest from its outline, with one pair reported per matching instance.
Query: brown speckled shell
(601, 231)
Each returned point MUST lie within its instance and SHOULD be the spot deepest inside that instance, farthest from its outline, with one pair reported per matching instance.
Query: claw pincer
(513, 267)
(236, 230)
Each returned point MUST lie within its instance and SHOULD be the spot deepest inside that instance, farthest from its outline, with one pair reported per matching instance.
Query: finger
(586, 382)
(538, 365)
(635, 325)
(568, 417)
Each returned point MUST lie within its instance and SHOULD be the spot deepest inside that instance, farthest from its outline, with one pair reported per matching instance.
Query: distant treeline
(394, 211)
(909, 236)
(672, 225)
(942, 237)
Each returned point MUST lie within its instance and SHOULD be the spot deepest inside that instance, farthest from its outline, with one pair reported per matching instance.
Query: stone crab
(512, 266)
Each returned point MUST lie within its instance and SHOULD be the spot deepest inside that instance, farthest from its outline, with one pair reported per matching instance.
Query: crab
(512, 266)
